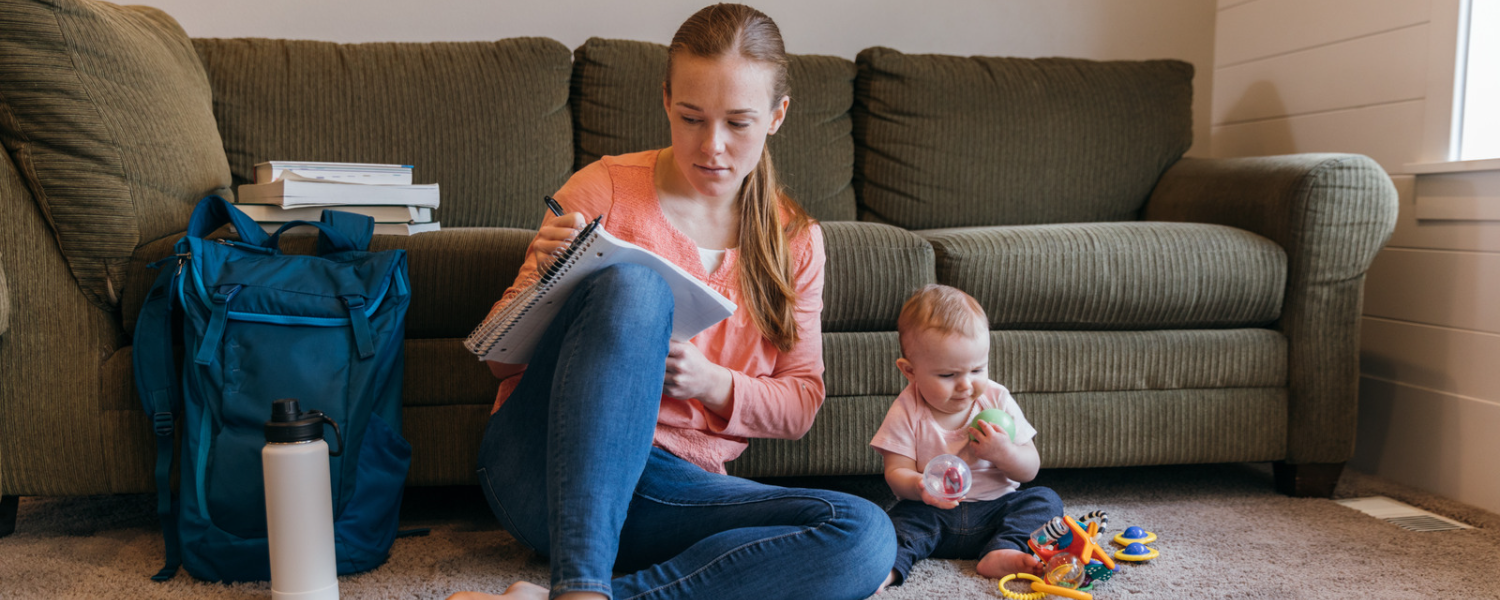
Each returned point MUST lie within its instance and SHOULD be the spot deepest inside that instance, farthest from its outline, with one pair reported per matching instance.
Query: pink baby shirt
(775, 394)
(909, 430)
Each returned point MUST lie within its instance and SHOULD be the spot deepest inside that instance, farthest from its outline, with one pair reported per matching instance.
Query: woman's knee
(868, 532)
(639, 285)
(870, 547)
(624, 300)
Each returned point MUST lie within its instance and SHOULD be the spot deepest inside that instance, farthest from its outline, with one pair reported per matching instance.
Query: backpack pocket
(366, 528)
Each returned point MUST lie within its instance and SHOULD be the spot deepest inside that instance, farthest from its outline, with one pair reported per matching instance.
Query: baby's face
(948, 369)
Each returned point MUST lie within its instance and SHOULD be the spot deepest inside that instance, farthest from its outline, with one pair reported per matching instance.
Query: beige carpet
(1223, 534)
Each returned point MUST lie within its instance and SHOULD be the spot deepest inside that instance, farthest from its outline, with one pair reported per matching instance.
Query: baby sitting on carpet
(945, 346)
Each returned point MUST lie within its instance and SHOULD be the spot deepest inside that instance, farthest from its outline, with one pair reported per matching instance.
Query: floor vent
(1402, 515)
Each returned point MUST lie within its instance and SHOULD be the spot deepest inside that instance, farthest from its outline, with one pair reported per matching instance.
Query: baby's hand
(932, 500)
(991, 443)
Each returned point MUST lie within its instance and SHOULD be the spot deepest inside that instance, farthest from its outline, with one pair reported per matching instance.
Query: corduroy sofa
(1146, 308)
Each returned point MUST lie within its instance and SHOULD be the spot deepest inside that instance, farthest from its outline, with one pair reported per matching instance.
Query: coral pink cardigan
(775, 394)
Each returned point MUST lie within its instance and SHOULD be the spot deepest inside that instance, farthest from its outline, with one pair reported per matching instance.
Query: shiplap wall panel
(1378, 69)
(1263, 28)
(1455, 361)
(1388, 133)
(1482, 236)
(1436, 441)
(1446, 288)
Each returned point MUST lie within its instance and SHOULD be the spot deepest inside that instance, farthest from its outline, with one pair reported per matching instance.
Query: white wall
(1367, 76)
(1096, 29)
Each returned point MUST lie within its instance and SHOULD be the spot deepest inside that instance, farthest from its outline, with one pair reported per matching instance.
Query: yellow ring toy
(1014, 596)
(1061, 591)
(1121, 555)
(1125, 541)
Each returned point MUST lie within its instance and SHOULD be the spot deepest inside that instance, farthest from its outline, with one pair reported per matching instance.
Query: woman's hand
(690, 375)
(554, 237)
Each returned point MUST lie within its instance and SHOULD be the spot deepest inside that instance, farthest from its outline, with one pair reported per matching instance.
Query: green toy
(999, 418)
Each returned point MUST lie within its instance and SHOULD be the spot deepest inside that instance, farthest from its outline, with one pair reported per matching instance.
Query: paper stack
(291, 191)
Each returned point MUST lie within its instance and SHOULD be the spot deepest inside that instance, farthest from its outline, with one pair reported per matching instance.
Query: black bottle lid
(289, 424)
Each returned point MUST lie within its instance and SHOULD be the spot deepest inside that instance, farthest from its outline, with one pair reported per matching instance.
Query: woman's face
(721, 110)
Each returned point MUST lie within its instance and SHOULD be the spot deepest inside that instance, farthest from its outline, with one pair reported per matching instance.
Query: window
(1480, 131)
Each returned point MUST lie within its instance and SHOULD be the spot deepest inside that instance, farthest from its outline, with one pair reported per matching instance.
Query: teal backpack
(255, 326)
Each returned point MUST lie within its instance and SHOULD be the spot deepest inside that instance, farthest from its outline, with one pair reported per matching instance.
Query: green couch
(1146, 308)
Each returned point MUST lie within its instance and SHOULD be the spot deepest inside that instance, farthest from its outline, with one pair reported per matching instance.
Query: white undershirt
(711, 259)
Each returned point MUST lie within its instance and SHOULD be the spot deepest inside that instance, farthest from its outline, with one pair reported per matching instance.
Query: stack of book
(299, 191)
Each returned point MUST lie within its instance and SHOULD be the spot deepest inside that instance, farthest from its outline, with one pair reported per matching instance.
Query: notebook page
(696, 306)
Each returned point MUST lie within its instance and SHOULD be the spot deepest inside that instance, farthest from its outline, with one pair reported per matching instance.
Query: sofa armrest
(1331, 213)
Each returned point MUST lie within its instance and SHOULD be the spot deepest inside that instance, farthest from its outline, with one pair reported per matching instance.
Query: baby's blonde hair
(940, 308)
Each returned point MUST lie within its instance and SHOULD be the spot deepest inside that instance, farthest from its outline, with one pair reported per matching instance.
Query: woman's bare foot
(520, 590)
(1000, 563)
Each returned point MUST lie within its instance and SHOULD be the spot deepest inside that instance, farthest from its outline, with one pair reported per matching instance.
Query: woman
(608, 451)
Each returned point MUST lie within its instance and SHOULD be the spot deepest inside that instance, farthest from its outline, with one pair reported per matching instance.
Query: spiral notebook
(509, 335)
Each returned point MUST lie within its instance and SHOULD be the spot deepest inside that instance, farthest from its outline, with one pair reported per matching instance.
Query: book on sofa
(295, 190)
(380, 228)
(275, 213)
(368, 173)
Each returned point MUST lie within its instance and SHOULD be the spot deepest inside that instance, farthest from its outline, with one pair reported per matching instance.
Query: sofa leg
(1311, 480)
(8, 507)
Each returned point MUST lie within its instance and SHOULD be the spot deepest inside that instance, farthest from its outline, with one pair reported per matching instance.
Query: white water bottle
(299, 504)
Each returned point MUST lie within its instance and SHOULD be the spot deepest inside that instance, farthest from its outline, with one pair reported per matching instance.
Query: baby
(945, 347)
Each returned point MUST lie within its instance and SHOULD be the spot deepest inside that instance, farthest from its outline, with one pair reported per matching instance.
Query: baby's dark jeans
(971, 530)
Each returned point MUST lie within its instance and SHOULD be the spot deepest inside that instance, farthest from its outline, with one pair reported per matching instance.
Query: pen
(553, 206)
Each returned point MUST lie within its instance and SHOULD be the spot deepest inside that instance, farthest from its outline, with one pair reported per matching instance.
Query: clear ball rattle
(947, 477)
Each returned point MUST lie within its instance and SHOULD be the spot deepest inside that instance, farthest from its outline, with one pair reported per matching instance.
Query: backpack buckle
(162, 423)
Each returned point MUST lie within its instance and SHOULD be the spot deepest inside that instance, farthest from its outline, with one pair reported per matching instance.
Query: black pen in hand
(552, 205)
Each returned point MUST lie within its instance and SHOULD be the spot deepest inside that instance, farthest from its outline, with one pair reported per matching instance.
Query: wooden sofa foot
(1311, 480)
(8, 507)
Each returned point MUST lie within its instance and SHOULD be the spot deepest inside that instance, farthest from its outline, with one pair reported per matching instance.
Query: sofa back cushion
(108, 115)
(617, 109)
(487, 121)
(949, 141)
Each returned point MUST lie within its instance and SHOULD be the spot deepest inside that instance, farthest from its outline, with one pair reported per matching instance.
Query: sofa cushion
(487, 121)
(864, 363)
(1074, 430)
(949, 141)
(1141, 275)
(108, 115)
(617, 109)
(870, 272)
(457, 274)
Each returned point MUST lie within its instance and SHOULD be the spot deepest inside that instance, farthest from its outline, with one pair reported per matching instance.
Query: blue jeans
(971, 530)
(568, 467)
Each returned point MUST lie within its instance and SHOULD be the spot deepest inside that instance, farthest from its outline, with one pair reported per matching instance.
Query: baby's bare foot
(1000, 563)
(520, 590)
(887, 583)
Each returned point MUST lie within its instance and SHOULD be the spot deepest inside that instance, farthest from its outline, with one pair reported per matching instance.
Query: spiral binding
(491, 331)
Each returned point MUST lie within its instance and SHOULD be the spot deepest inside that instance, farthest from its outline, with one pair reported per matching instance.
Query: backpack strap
(329, 239)
(357, 228)
(156, 381)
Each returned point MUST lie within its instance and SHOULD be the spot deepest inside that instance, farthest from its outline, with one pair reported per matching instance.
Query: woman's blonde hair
(765, 260)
